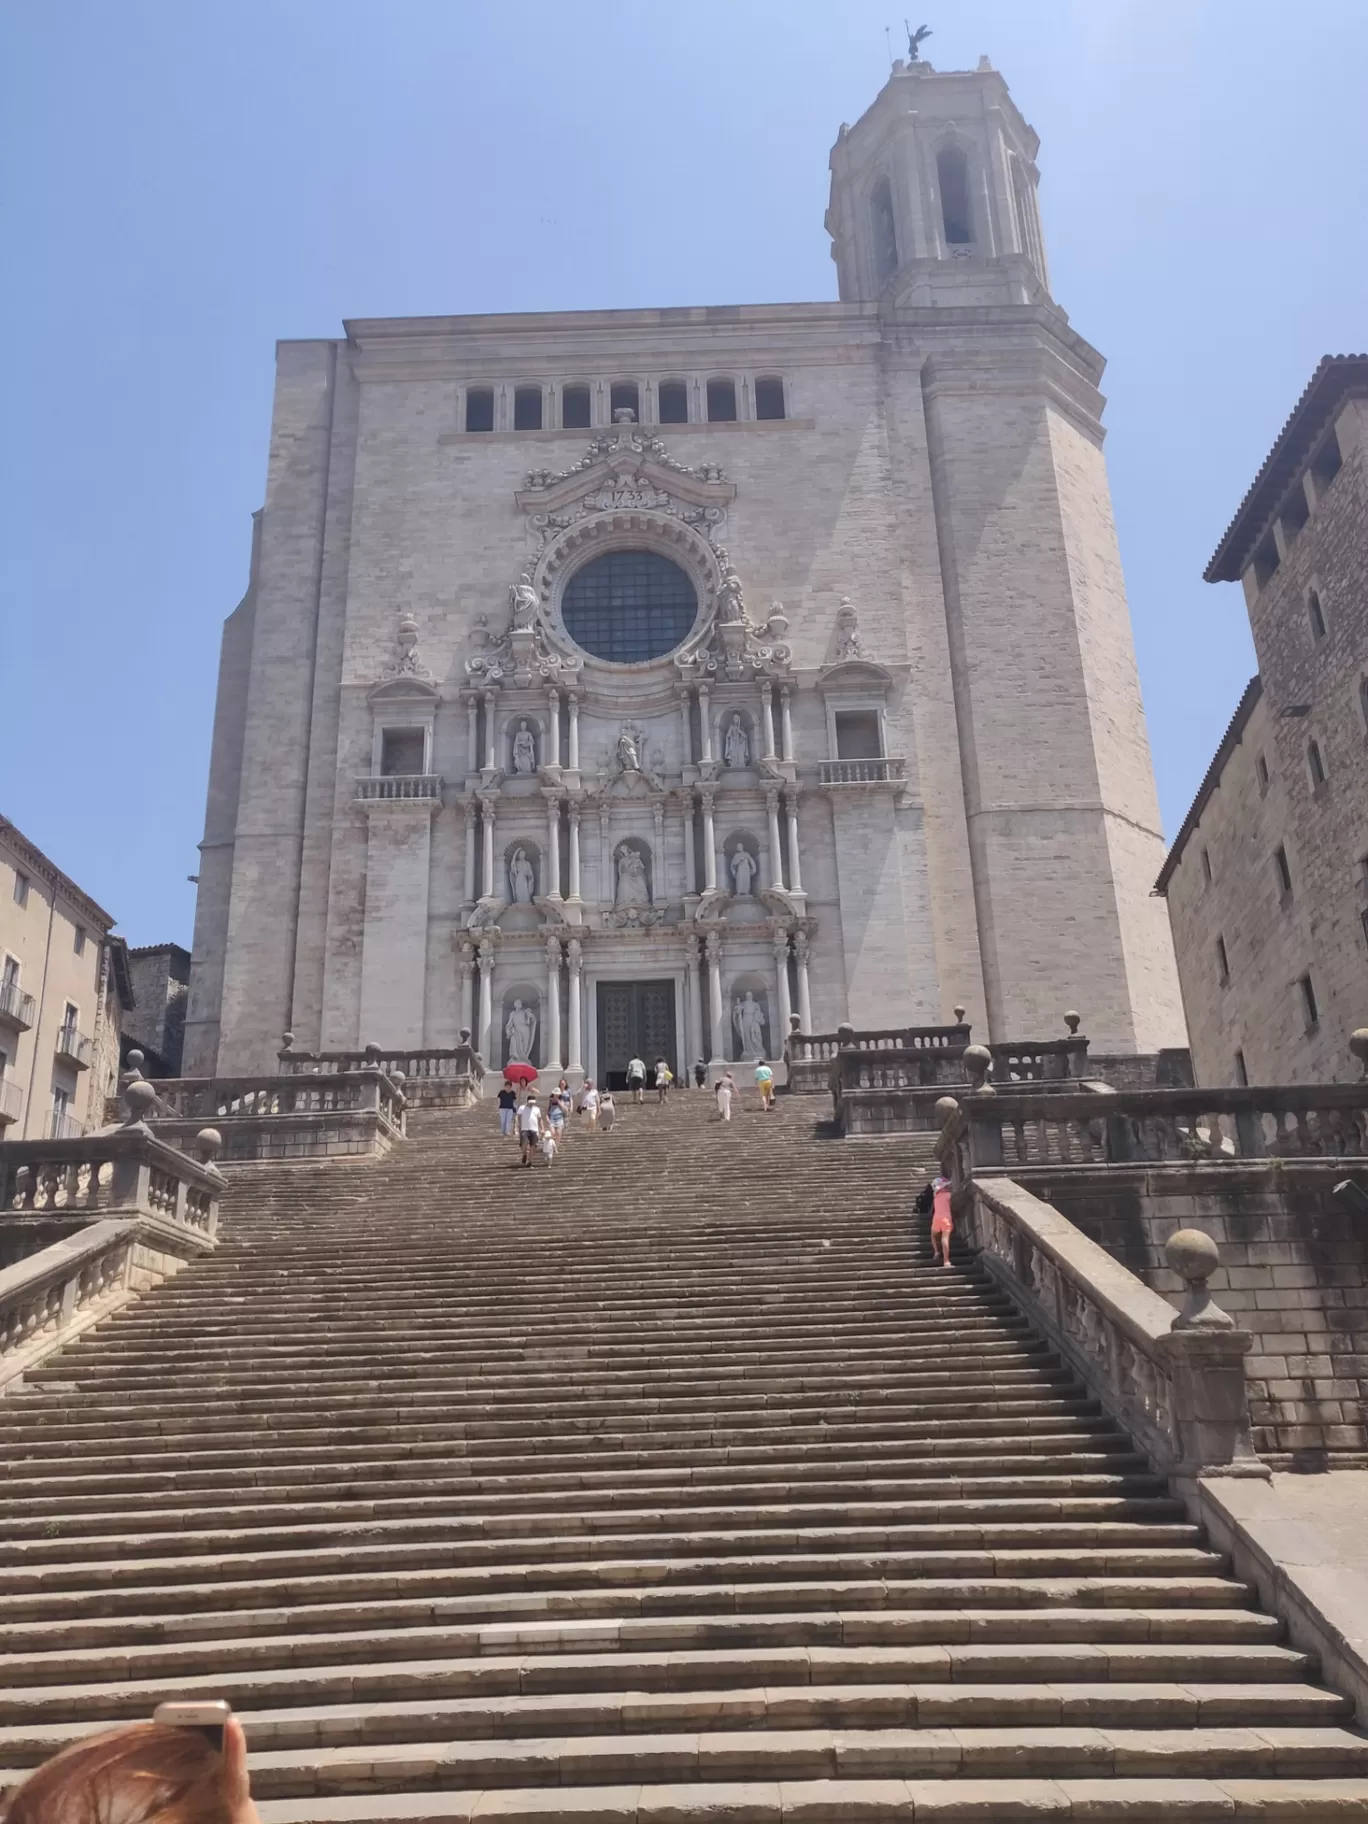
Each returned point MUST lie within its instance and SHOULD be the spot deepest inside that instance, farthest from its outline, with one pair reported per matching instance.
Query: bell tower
(933, 194)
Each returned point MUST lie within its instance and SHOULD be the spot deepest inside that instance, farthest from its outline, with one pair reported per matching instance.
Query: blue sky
(183, 184)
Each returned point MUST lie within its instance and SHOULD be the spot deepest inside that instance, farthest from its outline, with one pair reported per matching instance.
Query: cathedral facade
(631, 681)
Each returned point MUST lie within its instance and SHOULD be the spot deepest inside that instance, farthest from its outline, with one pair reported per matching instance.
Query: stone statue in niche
(520, 1029)
(848, 643)
(524, 749)
(633, 888)
(627, 752)
(735, 745)
(742, 869)
(522, 602)
(748, 1018)
(521, 877)
(731, 606)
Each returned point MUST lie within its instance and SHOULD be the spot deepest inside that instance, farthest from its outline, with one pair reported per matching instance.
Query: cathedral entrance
(635, 1020)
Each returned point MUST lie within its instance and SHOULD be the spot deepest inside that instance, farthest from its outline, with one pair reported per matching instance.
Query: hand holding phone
(211, 1719)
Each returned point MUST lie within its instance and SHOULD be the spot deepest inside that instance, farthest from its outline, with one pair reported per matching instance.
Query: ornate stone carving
(524, 749)
(848, 642)
(405, 663)
(736, 743)
(626, 469)
(734, 644)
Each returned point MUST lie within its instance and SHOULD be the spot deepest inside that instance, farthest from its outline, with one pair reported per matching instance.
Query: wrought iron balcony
(62, 1126)
(11, 1101)
(17, 1009)
(73, 1048)
(398, 788)
(884, 771)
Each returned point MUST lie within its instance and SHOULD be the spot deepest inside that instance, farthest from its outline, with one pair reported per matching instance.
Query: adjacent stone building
(64, 985)
(629, 680)
(155, 1023)
(1267, 881)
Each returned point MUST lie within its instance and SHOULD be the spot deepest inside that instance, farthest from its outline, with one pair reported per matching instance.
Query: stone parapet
(356, 1113)
(435, 1076)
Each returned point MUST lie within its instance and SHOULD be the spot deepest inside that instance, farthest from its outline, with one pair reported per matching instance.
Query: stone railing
(886, 771)
(934, 1052)
(344, 1115)
(432, 1077)
(1011, 1132)
(135, 1209)
(394, 788)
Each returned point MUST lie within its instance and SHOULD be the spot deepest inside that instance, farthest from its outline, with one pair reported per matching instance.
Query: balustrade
(886, 771)
(119, 1171)
(396, 787)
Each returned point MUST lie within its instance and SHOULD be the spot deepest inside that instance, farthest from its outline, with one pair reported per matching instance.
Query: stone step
(136, 1648)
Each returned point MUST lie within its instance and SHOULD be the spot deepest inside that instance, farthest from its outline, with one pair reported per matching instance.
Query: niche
(736, 739)
(748, 1020)
(741, 864)
(519, 1035)
(524, 741)
(522, 872)
(632, 873)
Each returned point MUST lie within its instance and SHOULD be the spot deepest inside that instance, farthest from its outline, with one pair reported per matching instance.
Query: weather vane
(915, 41)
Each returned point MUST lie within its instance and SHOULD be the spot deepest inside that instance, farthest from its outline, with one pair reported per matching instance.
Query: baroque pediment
(627, 469)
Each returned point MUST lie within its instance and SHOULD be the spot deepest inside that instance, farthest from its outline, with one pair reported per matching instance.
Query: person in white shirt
(589, 1105)
(529, 1126)
(636, 1077)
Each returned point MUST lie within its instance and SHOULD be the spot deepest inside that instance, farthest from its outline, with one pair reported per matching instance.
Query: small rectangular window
(21, 888)
(858, 735)
(10, 977)
(1316, 615)
(575, 408)
(1261, 772)
(1241, 1074)
(1308, 994)
(769, 398)
(1206, 866)
(402, 752)
(1295, 513)
(624, 396)
(721, 402)
(78, 940)
(1327, 462)
(1363, 920)
(479, 409)
(1266, 559)
(1315, 761)
(1284, 871)
(672, 401)
(71, 1017)
(527, 408)
(1222, 960)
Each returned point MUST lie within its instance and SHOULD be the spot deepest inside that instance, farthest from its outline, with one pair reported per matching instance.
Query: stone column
(472, 734)
(551, 1021)
(606, 882)
(472, 811)
(487, 882)
(709, 844)
(491, 755)
(693, 1002)
(776, 854)
(575, 1036)
(705, 722)
(551, 872)
(574, 851)
(690, 860)
(786, 719)
(781, 951)
(714, 950)
(661, 875)
(552, 755)
(482, 1034)
(801, 946)
(767, 718)
(795, 872)
(465, 972)
(686, 728)
(573, 749)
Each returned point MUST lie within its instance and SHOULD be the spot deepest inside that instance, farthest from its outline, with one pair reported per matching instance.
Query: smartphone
(209, 1718)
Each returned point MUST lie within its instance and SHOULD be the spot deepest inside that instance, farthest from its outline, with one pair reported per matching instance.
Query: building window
(402, 752)
(1308, 994)
(1261, 772)
(952, 174)
(10, 976)
(1326, 463)
(1241, 1074)
(624, 396)
(1363, 700)
(527, 408)
(858, 735)
(1206, 866)
(1295, 513)
(1315, 615)
(1266, 559)
(629, 606)
(479, 409)
(1284, 871)
(721, 402)
(1316, 763)
(575, 408)
(78, 940)
(71, 1020)
(672, 401)
(21, 888)
(1363, 920)
(885, 231)
(1222, 962)
(769, 398)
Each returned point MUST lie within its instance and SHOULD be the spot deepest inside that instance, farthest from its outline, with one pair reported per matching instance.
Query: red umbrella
(520, 1073)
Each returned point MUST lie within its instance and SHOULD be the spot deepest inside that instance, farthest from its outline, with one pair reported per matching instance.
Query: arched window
(721, 401)
(769, 398)
(624, 396)
(952, 174)
(527, 408)
(629, 606)
(479, 409)
(672, 401)
(1028, 216)
(575, 408)
(884, 230)
(1315, 614)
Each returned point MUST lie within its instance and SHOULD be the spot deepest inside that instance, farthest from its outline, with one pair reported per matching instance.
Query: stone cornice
(36, 863)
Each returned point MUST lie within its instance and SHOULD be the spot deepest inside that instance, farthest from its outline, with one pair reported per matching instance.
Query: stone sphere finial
(372, 1051)
(396, 1076)
(1358, 1045)
(208, 1142)
(959, 1013)
(845, 1036)
(795, 1022)
(465, 1035)
(978, 1061)
(140, 1099)
(286, 1040)
(135, 1063)
(1073, 1021)
(1194, 1256)
(946, 1109)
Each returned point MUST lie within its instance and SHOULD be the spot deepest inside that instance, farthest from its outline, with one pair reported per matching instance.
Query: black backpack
(926, 1198)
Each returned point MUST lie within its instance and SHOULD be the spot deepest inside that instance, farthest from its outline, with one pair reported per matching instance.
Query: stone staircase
(675, 1483)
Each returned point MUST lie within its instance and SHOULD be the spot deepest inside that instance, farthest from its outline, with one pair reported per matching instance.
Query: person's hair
(146, 1773)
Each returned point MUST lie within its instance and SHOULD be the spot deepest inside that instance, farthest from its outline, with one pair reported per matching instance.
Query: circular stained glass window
(629, 606)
